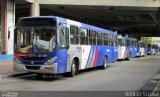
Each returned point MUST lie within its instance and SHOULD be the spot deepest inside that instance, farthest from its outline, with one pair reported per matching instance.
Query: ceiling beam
(152, 16)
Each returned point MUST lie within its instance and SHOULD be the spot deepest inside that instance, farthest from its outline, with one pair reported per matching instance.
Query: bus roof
(75, 23)
(128, 38)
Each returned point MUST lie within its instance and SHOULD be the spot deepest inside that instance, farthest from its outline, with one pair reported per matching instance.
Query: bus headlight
(16, 60)
(50, 61)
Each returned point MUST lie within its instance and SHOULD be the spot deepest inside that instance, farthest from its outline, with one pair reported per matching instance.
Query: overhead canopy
(136, 17)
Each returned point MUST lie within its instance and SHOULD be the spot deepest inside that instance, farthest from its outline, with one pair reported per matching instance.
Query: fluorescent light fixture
(31, 1)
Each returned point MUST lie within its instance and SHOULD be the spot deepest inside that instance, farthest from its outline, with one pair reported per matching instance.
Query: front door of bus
(63, 49)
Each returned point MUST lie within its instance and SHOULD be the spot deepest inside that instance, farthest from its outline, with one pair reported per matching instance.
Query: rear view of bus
(123, 51)
(154, 49)
(142, 48)
(127, 47)
(132, 45)
(150, 50)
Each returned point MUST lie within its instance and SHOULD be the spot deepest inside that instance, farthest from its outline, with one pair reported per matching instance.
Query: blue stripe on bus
(62, 61)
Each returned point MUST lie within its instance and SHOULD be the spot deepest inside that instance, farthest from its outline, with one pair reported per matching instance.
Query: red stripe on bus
(96, 58)
(127, 54)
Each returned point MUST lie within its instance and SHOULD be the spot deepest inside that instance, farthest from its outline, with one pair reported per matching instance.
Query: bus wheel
(129, 56)
(74, 69)
(105, 63)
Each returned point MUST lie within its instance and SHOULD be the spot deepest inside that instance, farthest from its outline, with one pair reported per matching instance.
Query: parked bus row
(55, 45)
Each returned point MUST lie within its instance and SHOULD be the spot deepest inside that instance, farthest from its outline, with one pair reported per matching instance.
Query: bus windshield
(35, 40)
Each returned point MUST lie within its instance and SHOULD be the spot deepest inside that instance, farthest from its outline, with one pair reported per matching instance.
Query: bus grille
(33, 58)
(35, 63)
(33, 67)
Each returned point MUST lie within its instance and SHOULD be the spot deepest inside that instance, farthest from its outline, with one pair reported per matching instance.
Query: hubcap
(73, 68)
(105, 62)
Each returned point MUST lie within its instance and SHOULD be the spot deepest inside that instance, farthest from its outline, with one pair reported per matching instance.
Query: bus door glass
(63, 48)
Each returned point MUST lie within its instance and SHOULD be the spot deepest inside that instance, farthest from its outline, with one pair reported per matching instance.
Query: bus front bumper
(49, 69)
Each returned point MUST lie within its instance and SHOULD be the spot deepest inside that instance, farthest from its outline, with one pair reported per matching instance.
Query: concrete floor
(120, 76)
(6, 67)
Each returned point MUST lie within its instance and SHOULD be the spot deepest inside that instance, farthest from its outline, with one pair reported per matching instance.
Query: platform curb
(152, 84)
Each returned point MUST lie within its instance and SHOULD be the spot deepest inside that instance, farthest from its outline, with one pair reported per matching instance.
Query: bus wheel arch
(74, 67)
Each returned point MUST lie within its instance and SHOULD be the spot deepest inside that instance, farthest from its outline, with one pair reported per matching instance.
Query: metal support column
(7, 20)
(35, 9)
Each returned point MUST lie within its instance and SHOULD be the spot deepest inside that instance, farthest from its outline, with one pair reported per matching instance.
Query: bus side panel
(110, 54)
(146, 50)
(86, 54)
(102, 52)
(115, 53)
(89, 59)
(96, 56)
(121, 52)
(92, 56)
(62, 61)
(128, 51)
(136, 51)
(74, 51)
(142, 51)
(133, 51)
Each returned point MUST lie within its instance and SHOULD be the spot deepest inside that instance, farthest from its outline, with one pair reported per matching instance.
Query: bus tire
(128, 57)
(74, 69)
(105, 63)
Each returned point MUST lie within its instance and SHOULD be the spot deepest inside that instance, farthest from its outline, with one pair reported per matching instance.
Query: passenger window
(99, 38)
(128, 44)
(92, 37)
(74, 35)
(110, 40)
(114, 40)
(105, 39)
(120, 42)
(83, 36)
